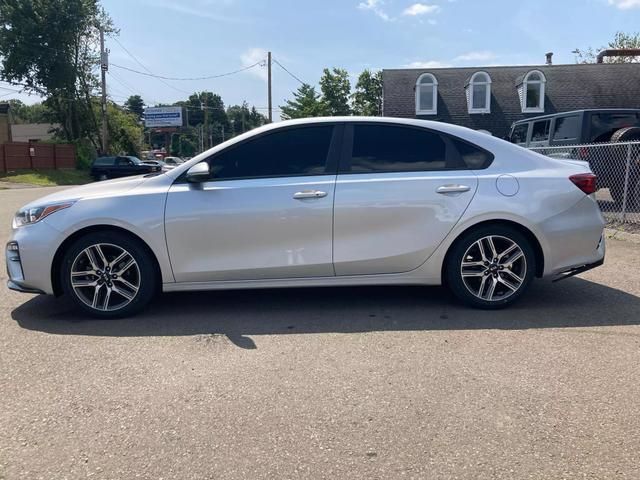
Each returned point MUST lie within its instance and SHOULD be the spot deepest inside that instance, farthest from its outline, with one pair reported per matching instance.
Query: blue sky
(190, 38)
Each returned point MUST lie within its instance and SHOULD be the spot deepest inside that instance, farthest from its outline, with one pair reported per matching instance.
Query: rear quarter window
(604, 125)
(474, 158)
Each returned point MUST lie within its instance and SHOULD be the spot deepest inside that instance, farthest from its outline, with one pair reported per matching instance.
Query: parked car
(318, 202)
(584, 127)
(172, 162)
(104, 168)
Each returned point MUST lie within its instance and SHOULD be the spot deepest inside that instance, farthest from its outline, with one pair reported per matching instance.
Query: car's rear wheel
(108, 274)
(490, 267)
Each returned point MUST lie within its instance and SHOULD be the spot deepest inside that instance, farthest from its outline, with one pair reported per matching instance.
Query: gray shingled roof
(569, 87)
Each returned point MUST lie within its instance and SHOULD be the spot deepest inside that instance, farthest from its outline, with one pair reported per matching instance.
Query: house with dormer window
(492, 98)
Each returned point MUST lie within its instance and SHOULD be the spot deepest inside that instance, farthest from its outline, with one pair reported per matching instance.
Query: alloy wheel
(493, 268)
(105, 277)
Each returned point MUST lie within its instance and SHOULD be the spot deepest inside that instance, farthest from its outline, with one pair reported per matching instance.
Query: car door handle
(452, 189)
(309, 194)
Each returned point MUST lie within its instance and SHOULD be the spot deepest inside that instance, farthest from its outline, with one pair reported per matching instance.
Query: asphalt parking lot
(326, 383)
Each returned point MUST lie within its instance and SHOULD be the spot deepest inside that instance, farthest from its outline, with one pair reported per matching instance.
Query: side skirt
(298, 282)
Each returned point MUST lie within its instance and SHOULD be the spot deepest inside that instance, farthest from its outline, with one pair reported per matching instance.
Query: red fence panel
(16, 155)
(25, 155)
(65, 155)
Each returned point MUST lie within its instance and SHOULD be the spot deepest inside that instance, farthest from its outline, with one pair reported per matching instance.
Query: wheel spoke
(494, 252)
(82, 282)
(92, 258)
(124, 293)
(103, 259)
(507, 251)
(126, 283)
(473, 274)
(515, 258)
(513, 275)
(83, 274)
(492, 289)
(482, 252)
(472, 264)
(105, 302)
(96, 296)
(127, 266)
(508, 284)
(118, 259)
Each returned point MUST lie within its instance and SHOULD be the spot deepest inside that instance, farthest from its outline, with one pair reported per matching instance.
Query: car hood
(98, 189)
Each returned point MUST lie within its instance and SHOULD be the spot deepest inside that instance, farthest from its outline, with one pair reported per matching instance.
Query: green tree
(620, 40)
(125, 131)
(336, 89)
(35, 113)
(135, 105)
(51, 48)
(306, 103)
(367, 99)
(242, 119)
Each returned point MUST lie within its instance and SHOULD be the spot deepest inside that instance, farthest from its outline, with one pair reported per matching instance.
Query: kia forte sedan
(318, 202)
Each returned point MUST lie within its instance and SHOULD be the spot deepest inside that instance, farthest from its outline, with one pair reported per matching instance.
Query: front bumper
(21, 288)
(29, 256)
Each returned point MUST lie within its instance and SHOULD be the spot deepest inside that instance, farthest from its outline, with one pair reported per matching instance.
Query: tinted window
(519, 134)
(540, 131)
(386, 148)
(104, 161)
(290, 152)
(124, 161)
(473, 157)
(603, 125)
(567, 128)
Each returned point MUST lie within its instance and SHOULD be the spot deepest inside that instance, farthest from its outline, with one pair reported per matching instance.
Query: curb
(611, 233)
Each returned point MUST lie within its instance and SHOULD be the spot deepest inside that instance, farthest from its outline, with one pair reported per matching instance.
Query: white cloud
(254, 55)
(625, 4)
(427, 64)
(376, 7)
(479, 56)
(420, 9)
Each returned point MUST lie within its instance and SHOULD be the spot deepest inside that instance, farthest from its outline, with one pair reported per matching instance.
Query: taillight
(585, 182)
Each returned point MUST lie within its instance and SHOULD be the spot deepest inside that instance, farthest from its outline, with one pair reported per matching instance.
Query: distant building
(32, 132)
(492, 98)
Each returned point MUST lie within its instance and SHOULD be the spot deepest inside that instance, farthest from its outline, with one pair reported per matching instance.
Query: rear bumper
(577, 270)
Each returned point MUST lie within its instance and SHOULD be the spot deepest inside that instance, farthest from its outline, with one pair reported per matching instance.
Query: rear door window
(540, 131)
(519, 134)
(392, 148)
(567, 128)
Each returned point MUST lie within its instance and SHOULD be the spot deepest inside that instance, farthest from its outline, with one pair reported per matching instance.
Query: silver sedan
(318, 202)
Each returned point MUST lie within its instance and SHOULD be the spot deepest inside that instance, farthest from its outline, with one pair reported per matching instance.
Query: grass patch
(47, 178)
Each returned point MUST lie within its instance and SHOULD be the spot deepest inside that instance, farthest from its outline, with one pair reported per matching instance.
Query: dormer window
(532, 91)
(426, 95)
(478, 92)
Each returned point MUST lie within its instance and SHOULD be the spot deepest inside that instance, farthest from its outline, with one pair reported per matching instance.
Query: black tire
(467, 245)
(112, 243)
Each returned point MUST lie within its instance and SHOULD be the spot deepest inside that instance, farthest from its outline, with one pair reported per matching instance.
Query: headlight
(27, 216)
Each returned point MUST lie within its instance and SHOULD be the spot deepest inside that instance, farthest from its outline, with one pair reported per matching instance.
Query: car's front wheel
(108, 274)
(490, 267)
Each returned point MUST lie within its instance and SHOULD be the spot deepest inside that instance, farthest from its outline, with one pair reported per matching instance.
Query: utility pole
(206, 118)
(269, 86)
(104, 66)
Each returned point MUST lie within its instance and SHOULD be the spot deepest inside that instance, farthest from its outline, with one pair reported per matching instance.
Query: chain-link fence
(617, 166)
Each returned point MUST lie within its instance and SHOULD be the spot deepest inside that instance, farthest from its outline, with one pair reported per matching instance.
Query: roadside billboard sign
(163, 117)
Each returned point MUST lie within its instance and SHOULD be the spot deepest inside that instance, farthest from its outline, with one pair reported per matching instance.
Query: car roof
(574, 112)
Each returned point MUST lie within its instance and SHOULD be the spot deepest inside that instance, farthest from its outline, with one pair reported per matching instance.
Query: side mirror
(198, 173)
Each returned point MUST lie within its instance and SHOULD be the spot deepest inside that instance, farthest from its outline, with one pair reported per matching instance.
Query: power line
(147, 70)
(210, 77)
(285, 69)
